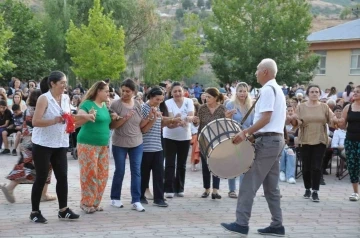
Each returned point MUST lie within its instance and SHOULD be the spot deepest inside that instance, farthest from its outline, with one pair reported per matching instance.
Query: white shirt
(338, 138)
(268, 102)
(233, 90)
(179, 133)
(53, 136)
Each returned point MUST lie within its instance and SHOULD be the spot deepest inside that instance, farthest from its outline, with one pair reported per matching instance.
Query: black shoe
(236, 228)
(68, 214)
(215, 196)
(272, 231)
(315, 197)
(37, 218)
(144, 200)
(160, 204)
(205, 195)
(5, 152)
(322, 181)
(307, 194)
(14, 153)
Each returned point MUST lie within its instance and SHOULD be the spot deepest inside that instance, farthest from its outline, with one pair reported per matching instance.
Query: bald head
(270, 65)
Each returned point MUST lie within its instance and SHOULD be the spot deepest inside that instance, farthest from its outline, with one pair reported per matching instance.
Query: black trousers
(312, 157)
(153, 161)
(42, 157)
(327, 158)
(176, 153)
(207, 175)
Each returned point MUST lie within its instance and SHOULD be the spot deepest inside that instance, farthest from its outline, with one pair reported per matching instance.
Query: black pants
(42, 157)
(312, 157)
(207, 175)
(176, 151)
(327, 158)
(153, 161)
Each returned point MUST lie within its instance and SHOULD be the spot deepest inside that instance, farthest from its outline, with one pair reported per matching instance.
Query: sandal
(87, 210)
(47, 198)
(99, 209)
(8, 195)
(232, 194)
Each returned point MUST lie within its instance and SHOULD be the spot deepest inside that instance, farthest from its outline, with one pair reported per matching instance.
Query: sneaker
(307, 194)
(291, 180)
(354, 197)
(272, 231)
(315, 197)
(282, 176)
(14, 153)
(116, 203)
(144, 200)
(236, 228)
(68, 214)
(322, 181)
(169, 195)
(138, 207)
(180, 194)
(5, 152)
(37, 217)
(161, 204)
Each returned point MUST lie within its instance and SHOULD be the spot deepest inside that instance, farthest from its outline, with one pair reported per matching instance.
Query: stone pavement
(191, 216)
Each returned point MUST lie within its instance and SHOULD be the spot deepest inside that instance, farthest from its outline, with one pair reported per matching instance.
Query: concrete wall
(337, 71)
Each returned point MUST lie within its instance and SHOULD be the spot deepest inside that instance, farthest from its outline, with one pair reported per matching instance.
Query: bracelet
(150, 119)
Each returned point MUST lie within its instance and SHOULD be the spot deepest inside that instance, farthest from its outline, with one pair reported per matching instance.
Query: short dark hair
(3, 103)
(155, 91)
(15, 107)
(129, 83)
(33, 97)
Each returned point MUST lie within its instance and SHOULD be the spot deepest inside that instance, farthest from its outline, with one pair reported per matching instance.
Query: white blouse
(53, 136)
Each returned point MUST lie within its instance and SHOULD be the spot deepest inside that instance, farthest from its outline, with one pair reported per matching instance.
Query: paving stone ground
(191, 216)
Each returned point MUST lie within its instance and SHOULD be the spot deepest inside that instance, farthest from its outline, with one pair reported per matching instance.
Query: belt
(257, 135)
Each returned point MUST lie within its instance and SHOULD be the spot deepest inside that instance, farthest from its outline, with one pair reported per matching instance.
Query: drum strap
(253, 106)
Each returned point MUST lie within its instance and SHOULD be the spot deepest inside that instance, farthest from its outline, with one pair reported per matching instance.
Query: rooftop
(349, 31)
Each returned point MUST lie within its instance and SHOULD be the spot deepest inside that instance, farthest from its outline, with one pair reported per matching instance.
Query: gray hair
(331, 102)
(270, 65)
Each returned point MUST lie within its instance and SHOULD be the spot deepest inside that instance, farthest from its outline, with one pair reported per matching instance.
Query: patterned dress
(24, 170)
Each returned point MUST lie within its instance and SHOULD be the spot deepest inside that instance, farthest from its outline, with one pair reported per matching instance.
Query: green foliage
(179, 14)
(5, 35)
(187, 4)
(208, 79)
(97, 49)
(345, 13)
(242, 33)
(26, 47)
(200, 3)
(168, 59)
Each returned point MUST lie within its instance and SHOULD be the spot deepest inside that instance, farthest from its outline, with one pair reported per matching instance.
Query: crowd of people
(150, 125)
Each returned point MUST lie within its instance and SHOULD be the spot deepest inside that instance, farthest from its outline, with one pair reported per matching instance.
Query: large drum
(224, 159)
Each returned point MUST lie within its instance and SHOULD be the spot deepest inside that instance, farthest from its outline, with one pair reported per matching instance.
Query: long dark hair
(173, 85)
(33, 97)
(348, 90)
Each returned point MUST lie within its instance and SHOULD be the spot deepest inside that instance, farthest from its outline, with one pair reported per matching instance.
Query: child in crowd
(14, 127)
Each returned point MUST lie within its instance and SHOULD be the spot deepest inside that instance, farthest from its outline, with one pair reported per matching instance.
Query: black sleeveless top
(353, 128)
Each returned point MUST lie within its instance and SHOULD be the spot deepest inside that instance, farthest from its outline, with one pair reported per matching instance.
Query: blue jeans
(135, 158)
(232, 183)
(288, 163)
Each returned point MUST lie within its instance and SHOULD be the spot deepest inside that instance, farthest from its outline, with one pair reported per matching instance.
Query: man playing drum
(267, 131)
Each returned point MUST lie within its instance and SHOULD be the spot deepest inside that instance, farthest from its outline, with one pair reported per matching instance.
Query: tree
(5, 35)
(97, 49)
(200, 3)
(242, 33)
(168, 59)
(26, 47)
(187, 4)
(208, 4)
(179, 14)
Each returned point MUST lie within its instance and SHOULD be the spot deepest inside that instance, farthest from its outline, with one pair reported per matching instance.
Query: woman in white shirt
(177, 138)
(332, 94)
(50, 143)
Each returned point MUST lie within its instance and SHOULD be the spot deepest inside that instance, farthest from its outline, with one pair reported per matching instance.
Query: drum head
(229, 161)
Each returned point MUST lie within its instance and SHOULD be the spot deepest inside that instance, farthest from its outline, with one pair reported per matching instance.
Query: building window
(355, 62)
(321, 68)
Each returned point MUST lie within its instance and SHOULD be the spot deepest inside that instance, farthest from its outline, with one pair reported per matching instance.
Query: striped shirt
(152, 138)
